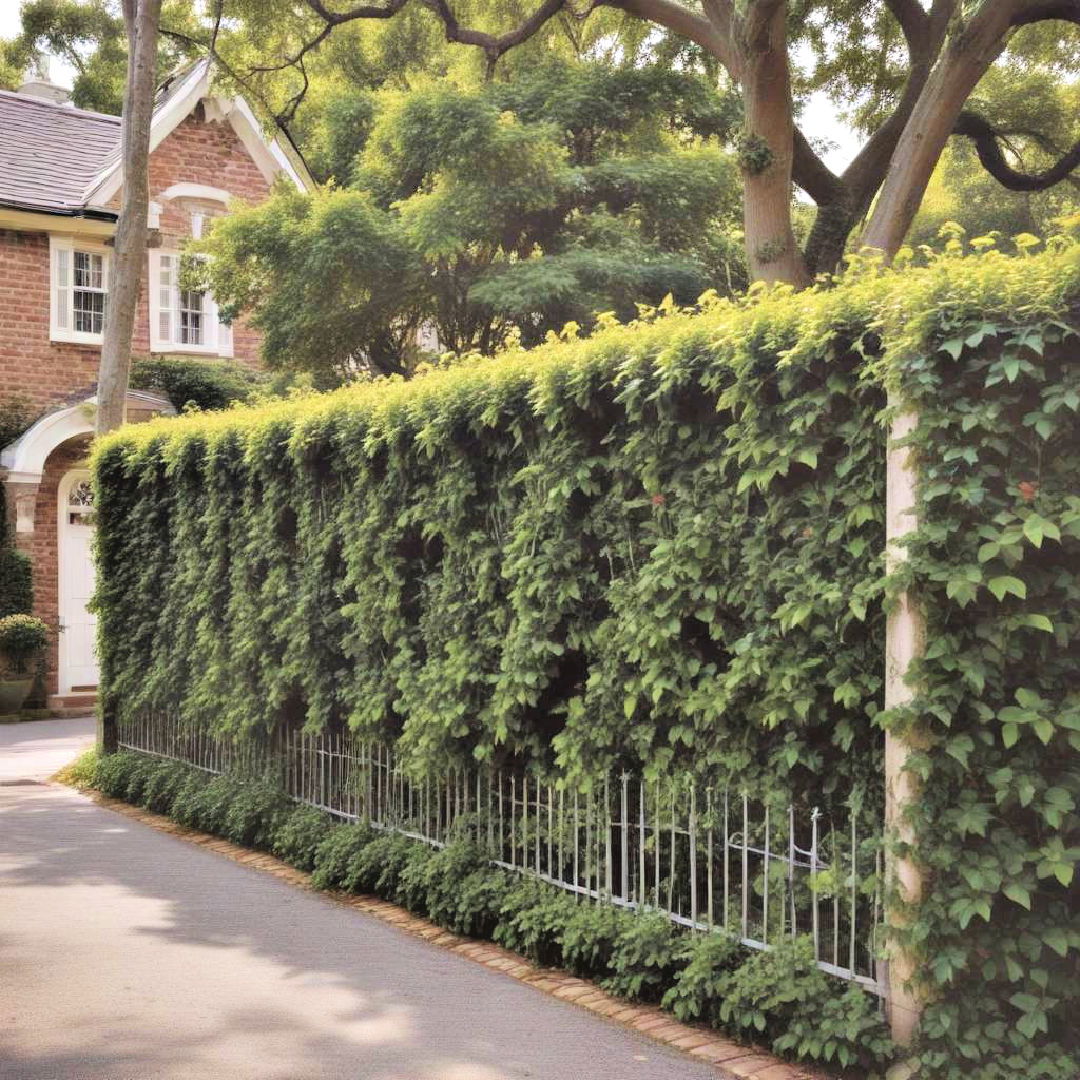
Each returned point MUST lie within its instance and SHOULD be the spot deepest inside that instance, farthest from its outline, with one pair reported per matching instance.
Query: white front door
(78, 627)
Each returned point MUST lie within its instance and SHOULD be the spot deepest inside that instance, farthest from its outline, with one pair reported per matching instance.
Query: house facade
(60, 191)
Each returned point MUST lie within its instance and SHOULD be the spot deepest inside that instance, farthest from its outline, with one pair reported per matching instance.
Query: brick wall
(30, 364)
(55, 373)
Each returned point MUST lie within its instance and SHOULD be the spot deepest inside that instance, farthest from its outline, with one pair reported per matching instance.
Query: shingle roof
(49, 153)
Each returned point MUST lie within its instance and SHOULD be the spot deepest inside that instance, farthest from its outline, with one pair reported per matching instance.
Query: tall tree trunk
(767, 149)
(961, 66)
(141, 17)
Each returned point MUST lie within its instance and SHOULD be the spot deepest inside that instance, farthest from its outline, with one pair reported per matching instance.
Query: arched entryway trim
(25, 458)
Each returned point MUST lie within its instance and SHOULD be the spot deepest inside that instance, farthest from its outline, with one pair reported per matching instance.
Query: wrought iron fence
(709, 858)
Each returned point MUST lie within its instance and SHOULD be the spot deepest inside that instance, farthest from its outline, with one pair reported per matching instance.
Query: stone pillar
(905, 641)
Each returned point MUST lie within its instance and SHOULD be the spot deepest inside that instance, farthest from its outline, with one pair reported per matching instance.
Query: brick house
(60, 189)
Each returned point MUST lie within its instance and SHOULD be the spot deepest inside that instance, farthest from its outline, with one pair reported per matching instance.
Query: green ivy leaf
(1001, 586)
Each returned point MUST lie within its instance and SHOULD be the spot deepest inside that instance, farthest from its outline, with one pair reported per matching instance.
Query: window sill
(69, 337)
(158, 349)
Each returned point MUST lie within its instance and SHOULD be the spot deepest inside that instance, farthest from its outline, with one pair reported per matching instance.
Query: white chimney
(50, 91)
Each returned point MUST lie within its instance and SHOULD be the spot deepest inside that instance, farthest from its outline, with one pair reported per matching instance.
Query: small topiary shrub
(21, 638)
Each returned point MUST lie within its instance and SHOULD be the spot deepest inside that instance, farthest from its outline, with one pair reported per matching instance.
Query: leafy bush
(16, 583)
(298, 836)
(694, 993)
(588, 938)
(255, 812)
(335, 854)
(159, 785)
(203, 805)
(531, 921)
(112, 773)
(21, 637)
(202, 384)
(379, 866)
(784, 994)
(82, 772)
(646, 954)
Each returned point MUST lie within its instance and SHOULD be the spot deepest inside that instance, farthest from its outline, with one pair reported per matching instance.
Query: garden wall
(661, 548)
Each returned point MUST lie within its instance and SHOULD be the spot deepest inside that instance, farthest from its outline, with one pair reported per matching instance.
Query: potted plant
(22, 637)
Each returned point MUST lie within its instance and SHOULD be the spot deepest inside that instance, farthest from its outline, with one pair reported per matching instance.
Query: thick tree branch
(712, 34)
(981, 132)
(811, 173)
(757, 21)
(494, 45)
(332, 19)
(913, 20)
(867, 170)
(1033, 11)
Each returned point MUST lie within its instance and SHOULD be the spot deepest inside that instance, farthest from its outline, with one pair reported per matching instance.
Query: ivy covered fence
(661, 549)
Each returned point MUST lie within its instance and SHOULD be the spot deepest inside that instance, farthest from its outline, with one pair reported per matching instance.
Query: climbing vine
(661, 547)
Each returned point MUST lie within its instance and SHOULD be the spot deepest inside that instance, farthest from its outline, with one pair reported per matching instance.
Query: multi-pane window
(183, 319)
(191, 317)
(89, 292)
(80, 277)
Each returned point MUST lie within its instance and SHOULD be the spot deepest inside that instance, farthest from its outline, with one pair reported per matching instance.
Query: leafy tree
(513, 208)
(907, 68)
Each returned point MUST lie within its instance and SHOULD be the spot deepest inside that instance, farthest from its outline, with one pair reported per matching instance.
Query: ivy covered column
(905, 641)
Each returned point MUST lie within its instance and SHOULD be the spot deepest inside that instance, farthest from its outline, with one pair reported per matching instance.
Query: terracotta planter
(13, 692)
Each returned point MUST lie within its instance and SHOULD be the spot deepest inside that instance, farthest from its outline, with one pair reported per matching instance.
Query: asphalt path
(128, 954)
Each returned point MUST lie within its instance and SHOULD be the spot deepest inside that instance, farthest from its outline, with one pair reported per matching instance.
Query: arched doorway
(78, 664)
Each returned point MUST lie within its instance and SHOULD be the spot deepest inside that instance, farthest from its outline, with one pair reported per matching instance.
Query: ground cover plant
(660, 548)
(707, 977)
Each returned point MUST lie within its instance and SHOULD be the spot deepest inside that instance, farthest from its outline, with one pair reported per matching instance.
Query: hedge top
(905, 306)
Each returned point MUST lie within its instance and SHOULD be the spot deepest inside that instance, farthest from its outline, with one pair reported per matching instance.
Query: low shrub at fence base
(780, 996)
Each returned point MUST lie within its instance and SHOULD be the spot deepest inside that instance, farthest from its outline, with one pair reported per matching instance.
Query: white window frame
(218, 336)
(62, 304)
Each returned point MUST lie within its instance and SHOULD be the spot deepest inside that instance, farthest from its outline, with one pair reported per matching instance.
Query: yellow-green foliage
(661, 547)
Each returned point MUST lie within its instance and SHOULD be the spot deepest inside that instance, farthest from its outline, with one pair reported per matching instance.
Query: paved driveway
(127, 954)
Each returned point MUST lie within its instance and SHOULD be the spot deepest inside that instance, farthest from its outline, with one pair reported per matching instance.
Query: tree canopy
(508, 209)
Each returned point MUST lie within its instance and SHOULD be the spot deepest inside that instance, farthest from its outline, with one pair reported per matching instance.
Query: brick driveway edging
(733, 1061)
